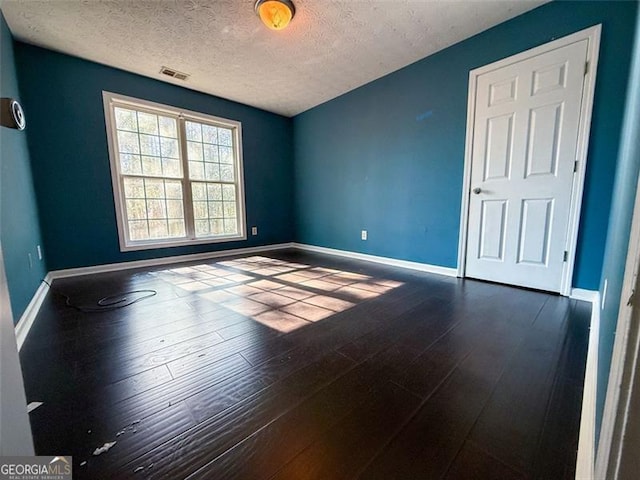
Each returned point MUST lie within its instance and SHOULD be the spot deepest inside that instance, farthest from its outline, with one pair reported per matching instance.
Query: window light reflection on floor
(279, 294)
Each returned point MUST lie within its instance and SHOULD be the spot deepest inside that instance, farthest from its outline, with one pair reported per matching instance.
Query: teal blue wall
(388, 157)
(68, 145)
(19, 228)
(619, 228)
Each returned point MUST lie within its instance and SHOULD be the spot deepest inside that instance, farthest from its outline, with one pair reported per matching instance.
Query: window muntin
(177, 175)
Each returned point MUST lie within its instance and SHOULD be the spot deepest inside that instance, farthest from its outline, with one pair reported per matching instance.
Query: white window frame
(182, 115)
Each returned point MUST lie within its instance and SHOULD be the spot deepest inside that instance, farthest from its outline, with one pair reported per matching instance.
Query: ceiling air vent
(174, 73)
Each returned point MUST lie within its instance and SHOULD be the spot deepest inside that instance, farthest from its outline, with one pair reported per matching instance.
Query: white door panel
(492, 230)
(524, 146)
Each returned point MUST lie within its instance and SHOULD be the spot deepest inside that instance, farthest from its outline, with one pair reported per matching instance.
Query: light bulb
(275, 14)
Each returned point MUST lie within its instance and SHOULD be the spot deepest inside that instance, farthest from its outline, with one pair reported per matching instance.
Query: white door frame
(592, 34)
(15, 429)
(624, 361)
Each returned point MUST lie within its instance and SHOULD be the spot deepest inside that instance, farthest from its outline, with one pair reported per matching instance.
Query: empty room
(297, 239)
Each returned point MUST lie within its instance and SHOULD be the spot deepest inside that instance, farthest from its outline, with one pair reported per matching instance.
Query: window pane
(212, 171)
(215, 210)
(154, 188)
(226, 173)
(158, 229)
(138, 230)
(148, 123)
(209, 134)
(168, 127)
(136, 209)
(173, 189)
(217, 227)
(171, 168)
(229, 193)
(198, 191)
(230, 227)
(150, 145)
(211, 153)
(174, 209)
(196, 170)
(128, 142)
(169, 147)
(226, 155)
(125, 119)
(224, 136)
(176, 228)
(152, 166)
(194, 131)
(229, 210)
(214, 191)
(202, 228)
(130, 164)
(194, 151)
(156, 209)
(200, 210)
(134, 188)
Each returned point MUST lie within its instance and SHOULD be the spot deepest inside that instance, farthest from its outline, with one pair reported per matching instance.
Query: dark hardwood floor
(289, 365)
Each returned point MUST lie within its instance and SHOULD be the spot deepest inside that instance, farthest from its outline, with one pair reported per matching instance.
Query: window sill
(150, 245)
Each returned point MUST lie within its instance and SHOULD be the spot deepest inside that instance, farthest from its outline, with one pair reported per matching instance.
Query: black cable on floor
(108, 303)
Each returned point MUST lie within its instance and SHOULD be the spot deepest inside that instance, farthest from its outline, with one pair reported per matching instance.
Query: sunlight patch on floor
(279, 294)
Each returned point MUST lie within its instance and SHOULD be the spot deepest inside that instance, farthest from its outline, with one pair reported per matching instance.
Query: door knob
(477, 190)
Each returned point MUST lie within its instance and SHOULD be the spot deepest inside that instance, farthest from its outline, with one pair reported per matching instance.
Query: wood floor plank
(186, 453)
(297, 428)
(473, 462)
(95, 410)
(426, 446)
(210, 355)
(179, 330)
(132, 440)
(427, 370)
(294, 430)
(340, 329)
(510, 424)
(369, 426)
(558, 445)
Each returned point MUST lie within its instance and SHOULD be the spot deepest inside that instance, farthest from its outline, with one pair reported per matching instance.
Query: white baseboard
(28, 317)
(590, 296)
(587, 439)
(152, 262)
(422, 267)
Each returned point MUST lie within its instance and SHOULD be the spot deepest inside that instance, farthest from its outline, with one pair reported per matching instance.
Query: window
(177, 175)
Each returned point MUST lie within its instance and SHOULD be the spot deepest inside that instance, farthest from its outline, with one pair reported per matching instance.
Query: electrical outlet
(39, 252)
(254, 230)
(363, 235)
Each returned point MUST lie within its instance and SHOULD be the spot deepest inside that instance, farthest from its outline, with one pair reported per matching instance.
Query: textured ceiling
(330, 47)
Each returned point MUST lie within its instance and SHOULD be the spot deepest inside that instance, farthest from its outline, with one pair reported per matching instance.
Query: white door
(525, 134)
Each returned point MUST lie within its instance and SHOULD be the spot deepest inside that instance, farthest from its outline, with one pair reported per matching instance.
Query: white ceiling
(331, 47)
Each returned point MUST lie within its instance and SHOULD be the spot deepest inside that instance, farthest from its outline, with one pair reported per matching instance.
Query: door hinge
(586, 67)
(565, 256)
(575, 166)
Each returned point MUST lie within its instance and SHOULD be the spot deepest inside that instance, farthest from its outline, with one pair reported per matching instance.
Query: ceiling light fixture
(275, 14)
